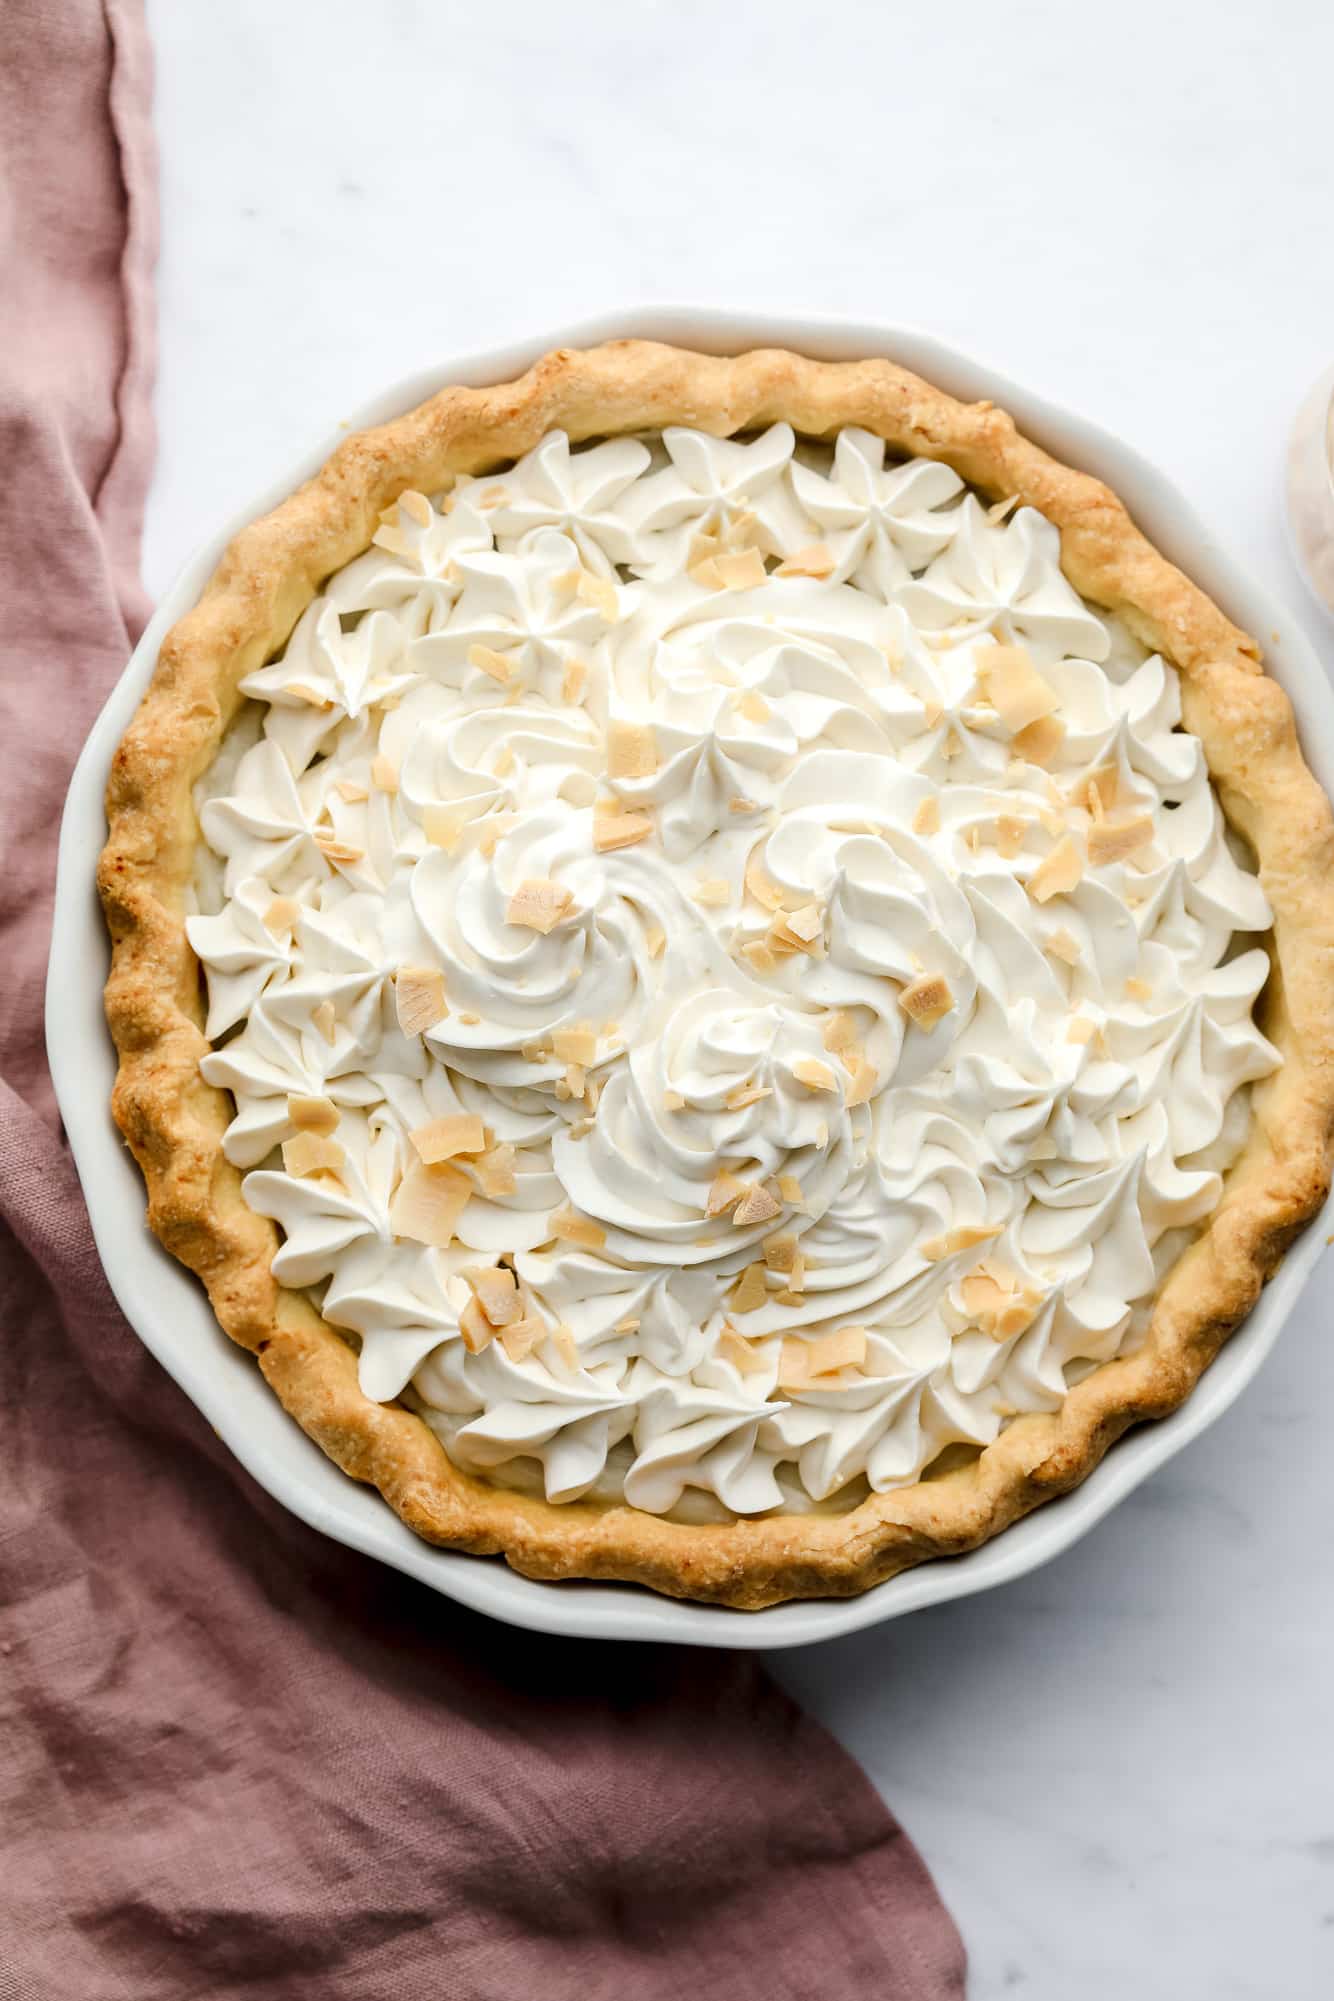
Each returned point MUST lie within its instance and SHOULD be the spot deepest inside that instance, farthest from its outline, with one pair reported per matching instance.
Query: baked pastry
(740, 1051)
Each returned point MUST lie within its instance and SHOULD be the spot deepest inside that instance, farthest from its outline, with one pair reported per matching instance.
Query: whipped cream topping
(728, 969)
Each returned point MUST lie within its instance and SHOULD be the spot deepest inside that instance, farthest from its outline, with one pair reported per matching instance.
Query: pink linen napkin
(235, 1758)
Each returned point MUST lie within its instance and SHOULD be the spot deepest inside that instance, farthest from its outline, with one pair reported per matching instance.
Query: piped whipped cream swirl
(732, 976)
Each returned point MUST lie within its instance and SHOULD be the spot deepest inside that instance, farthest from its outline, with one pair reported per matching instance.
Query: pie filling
(727, 968)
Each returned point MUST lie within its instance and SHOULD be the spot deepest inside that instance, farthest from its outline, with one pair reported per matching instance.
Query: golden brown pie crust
(174, 1122)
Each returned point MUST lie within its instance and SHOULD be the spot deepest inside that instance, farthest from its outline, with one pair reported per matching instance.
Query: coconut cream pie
(737, 1047)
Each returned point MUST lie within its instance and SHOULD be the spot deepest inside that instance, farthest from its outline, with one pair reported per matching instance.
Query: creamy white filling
(771, 671)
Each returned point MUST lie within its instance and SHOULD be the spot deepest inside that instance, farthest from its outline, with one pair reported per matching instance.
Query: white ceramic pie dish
(169, 1310)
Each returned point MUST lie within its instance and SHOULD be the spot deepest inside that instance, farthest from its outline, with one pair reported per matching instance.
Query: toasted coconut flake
(725, 1193)
(1138, 989)
(308, 1153)
(281, 914)
(490, 496)
(416, 506)
(443, 826)
(750, 1292)
(311, 1114)
(391, 538)
(1097, 791)
(806, 923)
(865, 1083)
(838, 1032)
(757, 1205)
(419, 998)
(713, 892)
(521, 1337)
(630, 1325)
(599, 592)
(335, 850)
(443, 1138)
(782, 936)
(926, 820)
(1061, 945)
(993, 1297)
(753, 706)
(539, 904)
(497, 665)
(575, 1079)
(622, 830)
(740, 569)
(1058, 873)
(493, 830)
(1017, 692)
(791, 1190)
(575, 1045)
(632, 750)
(815, 560)
(476, 1330)
(1040, 742)
(495, 1171)
(576, 1229)
(311, 696)
(744, 1356)
(325, 1020)
(814, 1074)
(1116, 840)
(927, 999)
(759, 955)
(566, 1346)
(781, 1252)
(931, 710)
(596, 591)
(1011, 833)
(503, 762)
(352, 790)
(963, 1238)
(428, 1204)
(655, 938)
(742, 1095)
(497, 1293)
(804, 1361)
(1080, 1029)
(574, 680)
(707, 574)
(672, 1101)
(738, 805)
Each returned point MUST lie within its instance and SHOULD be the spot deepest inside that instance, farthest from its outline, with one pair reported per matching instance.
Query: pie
(721, 970)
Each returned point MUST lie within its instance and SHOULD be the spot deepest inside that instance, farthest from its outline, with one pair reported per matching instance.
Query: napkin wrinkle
(237, 1759)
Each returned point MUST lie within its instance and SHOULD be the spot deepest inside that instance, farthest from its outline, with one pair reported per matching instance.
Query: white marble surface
(1120, 1769)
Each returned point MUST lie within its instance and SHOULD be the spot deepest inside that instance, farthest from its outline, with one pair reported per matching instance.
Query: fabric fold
(237, 1758)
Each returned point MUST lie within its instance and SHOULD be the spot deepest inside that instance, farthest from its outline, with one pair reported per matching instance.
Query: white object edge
(167, 1306)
